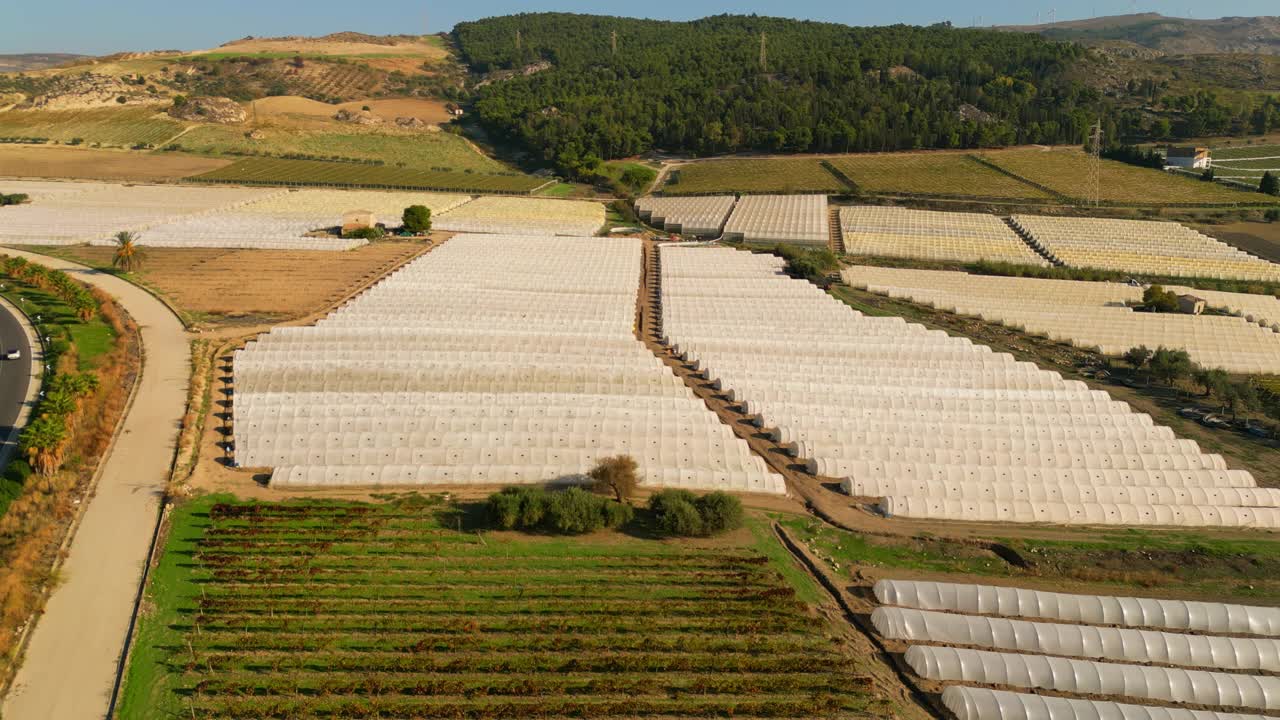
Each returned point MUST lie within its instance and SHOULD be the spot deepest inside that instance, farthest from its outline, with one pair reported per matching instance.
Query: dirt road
(70, 662)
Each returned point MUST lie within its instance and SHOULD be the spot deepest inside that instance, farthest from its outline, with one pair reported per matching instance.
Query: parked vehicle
(13, 355)
(1192, 413)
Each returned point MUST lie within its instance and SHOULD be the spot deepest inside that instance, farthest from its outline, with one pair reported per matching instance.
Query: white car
(13, 355)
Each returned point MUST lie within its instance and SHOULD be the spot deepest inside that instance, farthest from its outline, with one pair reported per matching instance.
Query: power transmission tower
(764, 57)
(1053, 15)
(1095, 163)
(613, 40)
(517, 40)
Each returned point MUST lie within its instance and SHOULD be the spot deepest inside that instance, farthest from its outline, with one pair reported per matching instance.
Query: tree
(417, 219)
(637, 177)
(1169, 366)
(42, 443)
(1270, 184)
(129, 255)
(1214, 381)
(1271, 215)
(1157, 299)
(1138, 357)
(617, 476)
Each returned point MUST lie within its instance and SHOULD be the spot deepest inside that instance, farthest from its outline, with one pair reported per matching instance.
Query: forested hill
(699, 87)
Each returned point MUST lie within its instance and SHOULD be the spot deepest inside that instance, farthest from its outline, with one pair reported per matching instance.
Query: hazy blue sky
(104, 26)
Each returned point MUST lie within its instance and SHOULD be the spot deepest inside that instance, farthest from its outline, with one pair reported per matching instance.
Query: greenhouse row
(930, 426)
(525, 370)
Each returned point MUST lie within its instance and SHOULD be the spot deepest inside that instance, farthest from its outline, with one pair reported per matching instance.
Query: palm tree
(42, 442)
(129, 255)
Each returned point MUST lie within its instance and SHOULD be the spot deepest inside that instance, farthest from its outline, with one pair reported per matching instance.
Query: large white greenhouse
(929, 425)
(461, 370)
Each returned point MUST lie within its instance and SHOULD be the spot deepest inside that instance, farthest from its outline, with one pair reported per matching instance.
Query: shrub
(1207, 175)
(417, 219)
(721, 512)
(815, 263)
(674, 513)
(14, 199)
(367, 233)
(680, 513)
(1272, 215)
(568, 512)
(616, 476)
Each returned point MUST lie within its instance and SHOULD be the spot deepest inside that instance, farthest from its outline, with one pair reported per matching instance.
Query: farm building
(1190, 304)
(357, 220)
(1188, 157)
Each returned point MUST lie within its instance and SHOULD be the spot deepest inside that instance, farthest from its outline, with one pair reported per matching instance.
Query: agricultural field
(798, 175)
(1154, 563)
(50, 161)
(1246, 163)
(276, 171)
(249, 287)
(1066, 171)
(932, 174)
(115, 127)
(438, 151)
(402, 609)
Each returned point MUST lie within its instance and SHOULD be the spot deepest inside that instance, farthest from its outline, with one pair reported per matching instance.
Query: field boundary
(839, 174)
(1031, 183)
(818, 573)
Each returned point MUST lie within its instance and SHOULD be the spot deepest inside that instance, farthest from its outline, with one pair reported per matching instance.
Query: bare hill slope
(1169, 35)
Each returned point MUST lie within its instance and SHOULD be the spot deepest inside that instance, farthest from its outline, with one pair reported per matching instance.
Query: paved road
(15, 379)
(70, 663)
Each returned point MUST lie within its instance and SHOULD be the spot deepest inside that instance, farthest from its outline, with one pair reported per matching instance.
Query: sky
(98, 27)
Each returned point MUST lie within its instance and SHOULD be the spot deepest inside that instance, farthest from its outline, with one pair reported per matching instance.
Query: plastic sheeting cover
(1089, 609)
(983, 704)
(1122, 644)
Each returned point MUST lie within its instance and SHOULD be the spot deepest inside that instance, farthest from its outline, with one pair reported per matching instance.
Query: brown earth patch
(430, 111)
(64, 162)
(238, 288)
(1261, 239)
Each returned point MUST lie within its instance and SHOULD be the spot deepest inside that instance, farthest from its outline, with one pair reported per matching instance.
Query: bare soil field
(291, 110)
(1261, 239)
(234, 288)
(430, 111)
(65, 162)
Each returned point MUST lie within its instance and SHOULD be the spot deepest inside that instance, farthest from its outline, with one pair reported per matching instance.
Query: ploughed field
(313, 609)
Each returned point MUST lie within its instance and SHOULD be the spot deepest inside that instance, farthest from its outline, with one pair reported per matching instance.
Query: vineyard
(115, 127)
(276, 171)
(800, 175)
(931, 174)
(310, 609)
(417, 150)
(1246, 164)
(335, 80)
(1066, 172)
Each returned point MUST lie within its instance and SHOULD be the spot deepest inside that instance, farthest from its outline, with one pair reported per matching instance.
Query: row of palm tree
(44, 440)
(75, 295)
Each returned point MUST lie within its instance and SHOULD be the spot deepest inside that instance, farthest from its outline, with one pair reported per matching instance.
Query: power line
(1095, 163)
